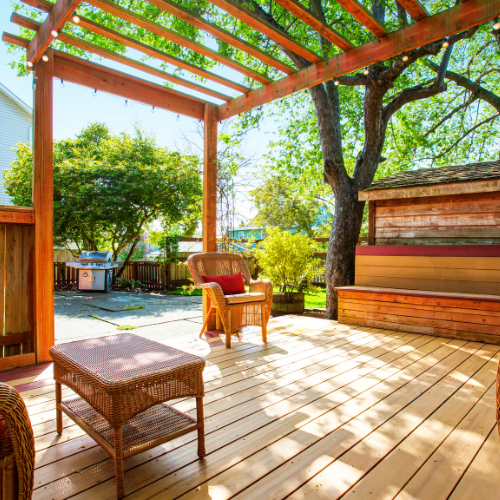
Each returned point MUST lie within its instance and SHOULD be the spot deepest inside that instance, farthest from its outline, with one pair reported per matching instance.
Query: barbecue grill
(95, 271)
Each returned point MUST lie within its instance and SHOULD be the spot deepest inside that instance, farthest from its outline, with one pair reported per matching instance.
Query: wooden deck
(322, 411)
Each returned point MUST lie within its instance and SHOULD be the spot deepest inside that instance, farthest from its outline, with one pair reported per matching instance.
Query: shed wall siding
(439, 220)
(15, 126)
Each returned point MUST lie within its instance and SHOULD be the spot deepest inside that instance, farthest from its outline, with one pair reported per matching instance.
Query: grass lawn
(318, 300)
(312, 301)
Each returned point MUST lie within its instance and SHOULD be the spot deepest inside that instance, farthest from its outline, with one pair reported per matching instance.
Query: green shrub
(127, 283)
(287, 259)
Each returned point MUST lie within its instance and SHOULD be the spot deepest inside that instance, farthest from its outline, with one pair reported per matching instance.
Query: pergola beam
(31, 24)
(181, 40)
(76, 70)
(456, 19)
(220, 33)
(416, 10)
(364, 16)
(131, 43)
(58, 17)
(266, 29)
(299, 11)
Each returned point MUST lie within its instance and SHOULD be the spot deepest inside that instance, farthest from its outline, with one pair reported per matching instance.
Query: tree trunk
(341, 255)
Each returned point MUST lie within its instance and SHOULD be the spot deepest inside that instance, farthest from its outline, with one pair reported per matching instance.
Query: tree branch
(477, 90)
(420, 92)
(463, 136)
(450, 114)
(398, 66)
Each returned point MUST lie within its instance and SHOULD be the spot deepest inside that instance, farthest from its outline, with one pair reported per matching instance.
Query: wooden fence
(150, 274)
(17, 317)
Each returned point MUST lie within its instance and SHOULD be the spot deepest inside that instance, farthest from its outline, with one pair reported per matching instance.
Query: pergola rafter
(130, 42)
(317, 24)
(195, 20)
(425, 30)
(172, 36)
(416, 10)
(30, 24)
(55, 21)
(266, 28)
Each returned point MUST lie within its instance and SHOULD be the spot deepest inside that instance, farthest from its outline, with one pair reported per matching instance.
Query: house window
(241, 235)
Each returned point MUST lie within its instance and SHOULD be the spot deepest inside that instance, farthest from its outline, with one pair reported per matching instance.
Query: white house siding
(15, 126)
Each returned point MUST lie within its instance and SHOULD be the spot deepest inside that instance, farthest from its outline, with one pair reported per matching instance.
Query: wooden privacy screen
(453, 219)
(16, 295)
(441, 268)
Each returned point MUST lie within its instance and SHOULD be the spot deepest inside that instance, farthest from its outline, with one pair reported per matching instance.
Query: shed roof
(441, 175)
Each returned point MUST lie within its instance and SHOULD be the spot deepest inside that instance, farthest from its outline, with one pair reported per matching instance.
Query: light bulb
(153, 109)
(62, 83)
(95, 93)
(366, 72)
(336, 82)
(405, 58)
(446, 44)
(178, 118)
(54, 33)
(45, 58)
(126, 103)
(76, 18)
(496, 26)
(29, 64)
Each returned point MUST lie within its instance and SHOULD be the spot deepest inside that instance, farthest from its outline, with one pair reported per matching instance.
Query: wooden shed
(433, 260)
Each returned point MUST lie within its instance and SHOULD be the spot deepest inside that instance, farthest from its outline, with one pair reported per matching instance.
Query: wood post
(210, 192)
(371, 222)
(43, 205)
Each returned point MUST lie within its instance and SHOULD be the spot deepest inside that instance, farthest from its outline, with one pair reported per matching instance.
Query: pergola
(48, 64)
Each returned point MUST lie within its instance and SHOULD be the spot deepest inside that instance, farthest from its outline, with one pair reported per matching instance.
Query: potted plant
(287, 259)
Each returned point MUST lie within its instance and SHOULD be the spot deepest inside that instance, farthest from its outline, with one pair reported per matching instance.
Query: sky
(75, 107)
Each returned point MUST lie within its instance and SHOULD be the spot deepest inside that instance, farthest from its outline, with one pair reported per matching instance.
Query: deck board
(322, 410)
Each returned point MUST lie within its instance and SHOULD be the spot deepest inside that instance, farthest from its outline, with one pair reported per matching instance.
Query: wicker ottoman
(123, 382)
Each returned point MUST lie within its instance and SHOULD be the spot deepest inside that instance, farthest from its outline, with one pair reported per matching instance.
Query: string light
(62, 83)
(54, 33)
(29, 64)
(178, 118)
(95, 93)
(153, 109)
(45, 57)
(496, 26)
(446, 44)
(126, 103)
(405, 58)
(336, 82)
(75, 18)
(366, 72)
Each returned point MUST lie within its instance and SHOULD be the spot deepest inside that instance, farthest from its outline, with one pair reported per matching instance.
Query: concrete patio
(81, 315)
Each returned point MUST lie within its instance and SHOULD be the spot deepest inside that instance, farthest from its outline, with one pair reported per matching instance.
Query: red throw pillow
(230, 284)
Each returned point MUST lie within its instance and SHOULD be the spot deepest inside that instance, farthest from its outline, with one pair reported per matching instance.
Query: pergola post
(43, 205)
(210, 191)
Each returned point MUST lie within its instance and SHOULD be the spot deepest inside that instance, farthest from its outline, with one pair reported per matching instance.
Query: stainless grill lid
(95, 256)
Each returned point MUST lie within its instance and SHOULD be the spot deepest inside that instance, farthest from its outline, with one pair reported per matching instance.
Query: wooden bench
(445, 290)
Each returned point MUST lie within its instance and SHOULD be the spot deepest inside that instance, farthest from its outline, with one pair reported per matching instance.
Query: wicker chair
(233, 311)
(17, 447)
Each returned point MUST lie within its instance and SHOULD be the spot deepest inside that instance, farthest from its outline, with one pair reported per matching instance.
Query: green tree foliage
(287, 259)
(108, 189)
(286, 204)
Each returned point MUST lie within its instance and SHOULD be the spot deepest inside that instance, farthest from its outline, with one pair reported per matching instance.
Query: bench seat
(466, 316)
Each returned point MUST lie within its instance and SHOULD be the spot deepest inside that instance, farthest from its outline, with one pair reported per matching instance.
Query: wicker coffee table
(123, 382)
